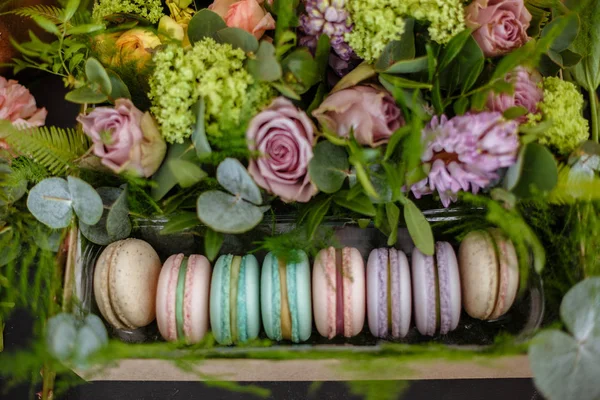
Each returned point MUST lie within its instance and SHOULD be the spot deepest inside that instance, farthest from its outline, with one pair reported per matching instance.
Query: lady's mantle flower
(465, 152)
(148, 9)
(211, 71)
(563, 106)
(378, 22)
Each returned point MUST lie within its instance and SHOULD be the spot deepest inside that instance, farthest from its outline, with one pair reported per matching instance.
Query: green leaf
(329, 166)
(400, 82)
(361, 73)
(393, 214)
(180, 222)
(285, 90)
(565, 366)
(396, 50)
(186, 173)
(86, 95)
(238, 38)
(322, 56)
(363, 223)
(97, 233)
(50, 202)
(360, 203)
(118, 225)
(70, 9)
(85, 29)
(87, 203)
(515, 112)
(265, 66)
(119, 88)
(418, 228)
(535, 172)
(199, 138)
(461, 105)
(567, 34)
(303, 67)
(204, 24)
(225, 213)
(232, 175)
(91, 337)
(60, 336)
(473, 74)
(408, 66)
(315, 216)
(285, 10)
(96, 74)
(164, 179)
(396, 138)
(587, 43)
(453, 48)
(212, 243)
(46, 24)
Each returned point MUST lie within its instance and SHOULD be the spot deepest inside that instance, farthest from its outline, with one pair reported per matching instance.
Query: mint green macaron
(286, 298)
(234, 299)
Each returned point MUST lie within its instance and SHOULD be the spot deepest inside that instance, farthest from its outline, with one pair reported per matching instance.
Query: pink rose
(284, 136)
(18, 106)
(369, 112)
(501, 25)
(124, 138)
(527, 93)
(248, 15)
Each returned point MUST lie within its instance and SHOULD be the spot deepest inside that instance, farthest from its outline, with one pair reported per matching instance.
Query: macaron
(235, 299)
(389, 293)
(489, 270)
(339, 303)
(182, 298)
(436, 290)
(125, 282)
(285, 298)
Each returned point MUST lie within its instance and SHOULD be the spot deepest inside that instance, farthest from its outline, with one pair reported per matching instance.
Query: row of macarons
(188, 297)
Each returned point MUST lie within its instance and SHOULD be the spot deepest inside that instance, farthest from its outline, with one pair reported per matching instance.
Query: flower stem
(1, 335)
(594, 111)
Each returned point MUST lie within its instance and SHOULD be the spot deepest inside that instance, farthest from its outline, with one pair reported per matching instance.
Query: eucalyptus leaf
(567, 35)
(213, 241)
(534, 172)
(265, 66)
(61, 333)
(50, 202)
(568, 366)
(232, 175)
(118, 225)
(96, 74)
(86, 95)
(238, 38)
(418, 228)
(179, 223)
(119, 88)
(303, 67)
(329, 166)
(360, 204)
(186, 173)
(203, 24)
(91, 337)
(98, 233)
(225, 213)
(87, 203)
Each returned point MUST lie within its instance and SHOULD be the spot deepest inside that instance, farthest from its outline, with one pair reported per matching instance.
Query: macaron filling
(394, 293)
(292, 298)
(286, 318)
(225, 286)
(179, 297)
(383, 297)
(241, 312)
(233, 296)
(339, 300)
(275, 299)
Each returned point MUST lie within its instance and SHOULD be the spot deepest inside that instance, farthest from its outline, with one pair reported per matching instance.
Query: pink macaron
(389, 293)
(182, 298)
(339, 292)
(436, 290)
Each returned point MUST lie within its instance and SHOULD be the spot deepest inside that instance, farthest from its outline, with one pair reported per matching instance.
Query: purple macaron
(389, 297)
(436, 290)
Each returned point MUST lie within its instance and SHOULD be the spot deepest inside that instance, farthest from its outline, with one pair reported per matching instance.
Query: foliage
(147, 9)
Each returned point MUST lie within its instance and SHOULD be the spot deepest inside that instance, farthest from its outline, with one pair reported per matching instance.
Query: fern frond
(53, 148)
(6, 4)
(570, 189)
(51, 13)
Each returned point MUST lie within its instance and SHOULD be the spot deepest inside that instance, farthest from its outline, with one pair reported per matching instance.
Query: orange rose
(248, 15)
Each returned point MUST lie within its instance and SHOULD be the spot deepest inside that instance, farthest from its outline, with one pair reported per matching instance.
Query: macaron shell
(219, 300)
(303, 296)
(424, 292)
(377, 275)
(166, 293)
(353, 278)
(196, 296)
(133, 280)
(324, 292)
(401, 292)
(478, 266)
(270, 300)
(250, 298)
(508, 273)
(449, 286)
(101, 293)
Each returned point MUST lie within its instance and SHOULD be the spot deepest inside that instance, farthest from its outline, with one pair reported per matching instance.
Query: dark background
(49, 93)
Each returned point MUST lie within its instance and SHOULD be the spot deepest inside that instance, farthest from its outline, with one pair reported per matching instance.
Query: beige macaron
(125, 282)
(489, 273)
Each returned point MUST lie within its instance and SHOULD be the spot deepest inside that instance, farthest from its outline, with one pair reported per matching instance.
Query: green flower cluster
(211, 71)
(148, 9)
(377, 22)
(563, 106)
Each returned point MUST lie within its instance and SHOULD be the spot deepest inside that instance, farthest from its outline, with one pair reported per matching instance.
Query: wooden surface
(310, 370)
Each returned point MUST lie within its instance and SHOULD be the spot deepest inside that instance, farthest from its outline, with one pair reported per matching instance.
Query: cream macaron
(125, 282)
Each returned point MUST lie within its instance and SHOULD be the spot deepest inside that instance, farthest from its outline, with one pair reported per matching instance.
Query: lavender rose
(527, 93)
(370, 112)
(501, 25)
(284, 136)
(124, 138)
